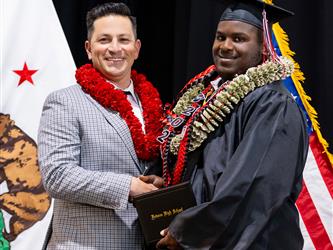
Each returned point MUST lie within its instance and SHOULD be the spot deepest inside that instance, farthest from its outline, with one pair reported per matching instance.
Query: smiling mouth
(226, 59)
(114, 59)
(227, 56)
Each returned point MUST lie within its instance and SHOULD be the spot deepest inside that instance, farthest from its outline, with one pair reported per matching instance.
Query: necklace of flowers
(93, 83)
(196, 114)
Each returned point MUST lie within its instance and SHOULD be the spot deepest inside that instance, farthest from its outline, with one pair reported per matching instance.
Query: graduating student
(238, 135)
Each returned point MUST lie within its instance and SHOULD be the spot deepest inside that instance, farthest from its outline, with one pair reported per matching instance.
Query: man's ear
(137, 48)
(87, 45)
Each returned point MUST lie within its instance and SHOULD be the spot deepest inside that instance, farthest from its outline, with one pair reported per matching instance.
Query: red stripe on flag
(323, 162)
(312, 221)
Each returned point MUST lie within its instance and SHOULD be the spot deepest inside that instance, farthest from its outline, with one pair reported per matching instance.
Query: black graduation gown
(247, 177)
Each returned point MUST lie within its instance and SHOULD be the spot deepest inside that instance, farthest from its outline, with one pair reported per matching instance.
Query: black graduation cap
(250, 11)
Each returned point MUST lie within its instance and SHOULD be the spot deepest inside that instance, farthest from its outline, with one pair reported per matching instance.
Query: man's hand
(152, 179)
(168, 242)
(140, 187)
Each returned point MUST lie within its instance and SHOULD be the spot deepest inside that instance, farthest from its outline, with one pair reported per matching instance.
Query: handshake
(144, 184)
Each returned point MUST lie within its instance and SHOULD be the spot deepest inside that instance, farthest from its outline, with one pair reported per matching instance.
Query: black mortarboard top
(250, 11)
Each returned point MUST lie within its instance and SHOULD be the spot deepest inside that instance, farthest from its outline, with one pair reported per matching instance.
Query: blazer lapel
(120, 126)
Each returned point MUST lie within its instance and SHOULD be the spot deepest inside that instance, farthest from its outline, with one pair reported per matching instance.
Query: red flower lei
(146, 146)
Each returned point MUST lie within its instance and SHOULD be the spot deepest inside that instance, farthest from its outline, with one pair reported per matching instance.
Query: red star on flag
(25, 74)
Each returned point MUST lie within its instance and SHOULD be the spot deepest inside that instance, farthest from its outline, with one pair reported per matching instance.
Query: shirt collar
(215, 83)
(130, 88)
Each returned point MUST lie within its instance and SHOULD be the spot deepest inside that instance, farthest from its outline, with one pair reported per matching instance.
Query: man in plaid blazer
(87, 156)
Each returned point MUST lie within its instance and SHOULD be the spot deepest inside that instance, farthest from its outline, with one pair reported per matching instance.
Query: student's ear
(264, 51)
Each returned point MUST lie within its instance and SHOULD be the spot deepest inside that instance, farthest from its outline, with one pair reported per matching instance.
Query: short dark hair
(107, 9)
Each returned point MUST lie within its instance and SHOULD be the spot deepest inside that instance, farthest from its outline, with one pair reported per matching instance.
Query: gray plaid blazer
(87, 159)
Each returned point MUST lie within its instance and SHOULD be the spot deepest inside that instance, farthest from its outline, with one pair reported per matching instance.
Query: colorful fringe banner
(315, 201)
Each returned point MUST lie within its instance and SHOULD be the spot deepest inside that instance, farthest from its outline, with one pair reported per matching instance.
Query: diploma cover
(156, 209)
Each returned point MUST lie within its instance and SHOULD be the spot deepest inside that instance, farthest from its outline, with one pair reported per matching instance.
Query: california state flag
(35, 60)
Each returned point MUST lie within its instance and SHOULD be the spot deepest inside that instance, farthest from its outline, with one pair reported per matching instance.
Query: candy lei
(196, 114)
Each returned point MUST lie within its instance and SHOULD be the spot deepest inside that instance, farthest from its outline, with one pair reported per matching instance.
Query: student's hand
(139, 187)
(152, 179)
(168, 242)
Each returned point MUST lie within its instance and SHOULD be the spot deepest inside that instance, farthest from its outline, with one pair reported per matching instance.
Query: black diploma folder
(156, 209)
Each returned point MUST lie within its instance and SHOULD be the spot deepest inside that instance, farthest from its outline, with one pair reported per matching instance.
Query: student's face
(236, 48)
(113, 47)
